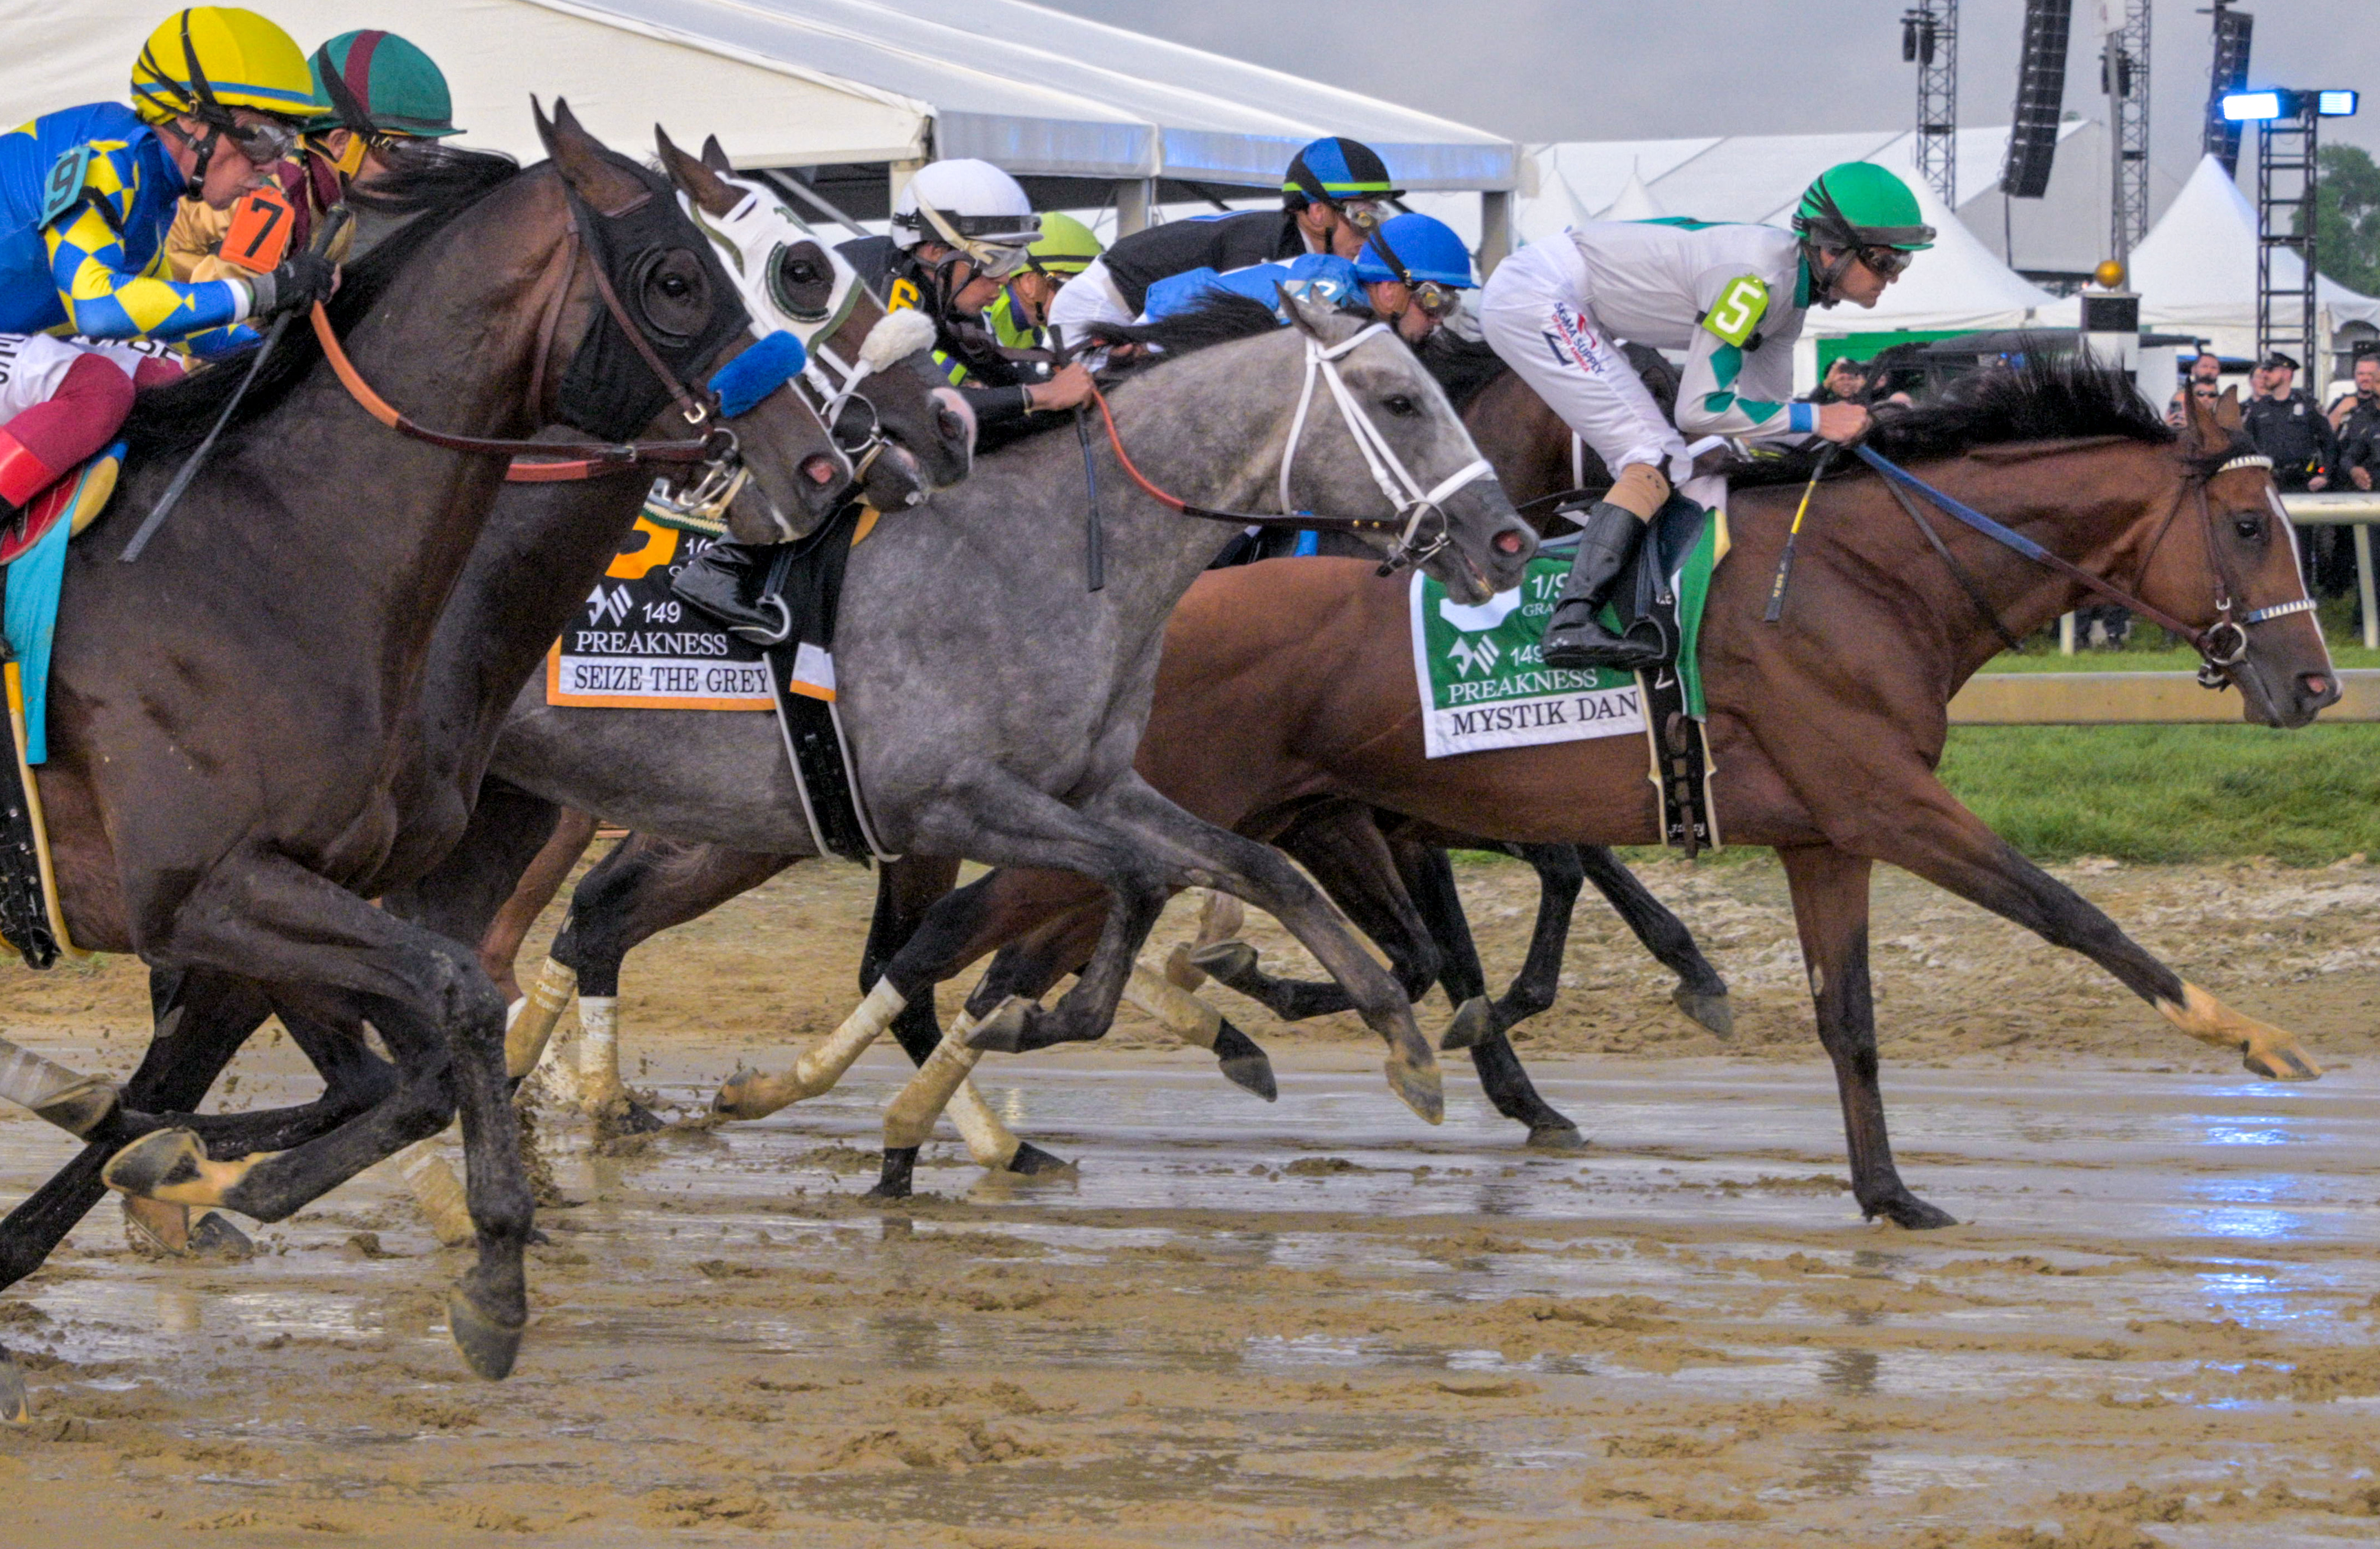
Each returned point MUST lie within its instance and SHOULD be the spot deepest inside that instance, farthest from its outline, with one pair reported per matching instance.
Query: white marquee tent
(2196, 269)
(808, 83)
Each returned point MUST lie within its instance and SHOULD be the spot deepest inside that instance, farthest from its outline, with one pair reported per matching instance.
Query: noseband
(1415, 506)
(2221, 646)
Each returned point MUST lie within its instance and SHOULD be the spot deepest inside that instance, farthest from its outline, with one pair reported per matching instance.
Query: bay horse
(1825, 728)
(235, 719)
(543, 548)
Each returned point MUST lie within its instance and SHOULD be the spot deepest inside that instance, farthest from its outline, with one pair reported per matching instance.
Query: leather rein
(554, 462)
(1415, 506)
(2221, 645)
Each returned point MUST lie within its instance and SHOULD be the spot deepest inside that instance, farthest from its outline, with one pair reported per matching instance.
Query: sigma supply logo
(1470, 656)
(608, 607)
(1572, 342)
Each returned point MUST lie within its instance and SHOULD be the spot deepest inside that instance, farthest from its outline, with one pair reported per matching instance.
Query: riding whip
(333, 221)
(1794, 536)
(1095, 567)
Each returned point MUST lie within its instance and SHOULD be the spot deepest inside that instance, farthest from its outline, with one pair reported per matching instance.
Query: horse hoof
(745, 1096)
(156, 1231)
(1228, 961)
(1418, 1088)
(626, 1115)
(1713, 1012)
(1181, 973)
(214, 1237)
(1474, 1024)
(490, 1345)
(2281, 1062)
(161, 1161)
(1556, 1137)
(16, 1409)
(1243, 1063)
(1002, 1032)
(900, 1167)
(1914, 1214)
(1031, 1159)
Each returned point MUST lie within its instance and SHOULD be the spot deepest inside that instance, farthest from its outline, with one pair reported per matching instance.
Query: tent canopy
(2196, 268)
(813, 82)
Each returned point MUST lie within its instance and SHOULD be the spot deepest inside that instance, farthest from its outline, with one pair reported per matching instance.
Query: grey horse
(995, 703)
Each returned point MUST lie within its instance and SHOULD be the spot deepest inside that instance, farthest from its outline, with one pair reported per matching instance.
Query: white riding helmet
(971, 206)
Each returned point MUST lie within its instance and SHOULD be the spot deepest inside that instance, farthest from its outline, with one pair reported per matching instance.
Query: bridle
(2221, 645)
(1416, 508)
(715, 451)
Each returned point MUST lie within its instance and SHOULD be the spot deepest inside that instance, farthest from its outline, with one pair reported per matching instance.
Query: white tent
(2196, 269)
(807, 83)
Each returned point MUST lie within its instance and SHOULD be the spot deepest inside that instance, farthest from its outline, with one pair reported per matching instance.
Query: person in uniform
(1332, 196)
(1410, 275)
(88, 195)
(2356, 456)
(1019, 315)
(2287, 426)
(1732, 298)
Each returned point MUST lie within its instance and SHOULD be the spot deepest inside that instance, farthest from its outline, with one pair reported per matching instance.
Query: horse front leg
(1701, 992)
(1951, 847)
(1830, 909)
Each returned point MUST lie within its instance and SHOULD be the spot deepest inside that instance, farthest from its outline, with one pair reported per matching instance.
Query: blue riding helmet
(1425, 246)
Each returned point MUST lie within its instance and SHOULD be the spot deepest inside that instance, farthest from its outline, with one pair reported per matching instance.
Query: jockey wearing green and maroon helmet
(375, 90)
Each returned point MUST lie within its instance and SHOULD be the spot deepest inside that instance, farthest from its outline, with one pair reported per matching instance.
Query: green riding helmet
(1066, 246)
(1860, 205)
(376, 83)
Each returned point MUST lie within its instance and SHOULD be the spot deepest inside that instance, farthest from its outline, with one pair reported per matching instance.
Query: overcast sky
(1628, 70)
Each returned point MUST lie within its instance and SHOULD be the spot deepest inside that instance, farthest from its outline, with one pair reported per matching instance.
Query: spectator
(1845, 382)
(2356, 460)
(2287, 426)
(2206, 370)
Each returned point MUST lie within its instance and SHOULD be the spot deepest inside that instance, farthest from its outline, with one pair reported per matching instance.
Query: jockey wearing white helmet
(961, 229)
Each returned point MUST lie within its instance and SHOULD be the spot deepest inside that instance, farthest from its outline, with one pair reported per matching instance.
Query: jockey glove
(303, 280)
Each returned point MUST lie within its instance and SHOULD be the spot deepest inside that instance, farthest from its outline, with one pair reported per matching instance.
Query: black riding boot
(1574, 637)
(724, 581)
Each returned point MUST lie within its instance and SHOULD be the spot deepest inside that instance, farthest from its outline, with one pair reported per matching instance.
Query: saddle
(29, 917)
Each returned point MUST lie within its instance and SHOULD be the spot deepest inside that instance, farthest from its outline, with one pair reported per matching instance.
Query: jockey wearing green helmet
(1021, 311)
(1731, 298)
(374, 89)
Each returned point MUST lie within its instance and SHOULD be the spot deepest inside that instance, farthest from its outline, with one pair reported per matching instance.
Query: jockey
(1020, 315)
(372, 90)
(1732, 298)
(1410, 275)
(960, 231)
(89, 194)
(1330, 199)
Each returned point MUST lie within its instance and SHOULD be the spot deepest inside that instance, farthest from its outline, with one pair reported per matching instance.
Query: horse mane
(431, 187)
(1463, 366)
(2045, 398)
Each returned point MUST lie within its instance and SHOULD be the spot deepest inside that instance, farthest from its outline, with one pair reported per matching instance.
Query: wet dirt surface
(1319, 1322)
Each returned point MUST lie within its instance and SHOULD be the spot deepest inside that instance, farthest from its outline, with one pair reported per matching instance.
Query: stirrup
(1598, 648)
(767, 634)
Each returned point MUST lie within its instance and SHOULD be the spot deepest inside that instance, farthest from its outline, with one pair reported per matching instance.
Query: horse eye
(675, 288)
(2249, 527)
(802, 273)
(1399, 404)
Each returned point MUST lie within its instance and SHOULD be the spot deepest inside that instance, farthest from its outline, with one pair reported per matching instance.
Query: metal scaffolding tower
(2233, 32)
(1929, 38)
(2285, 218)
(2124, 75)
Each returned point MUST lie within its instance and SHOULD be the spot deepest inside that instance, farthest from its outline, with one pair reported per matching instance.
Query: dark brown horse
(236, 719)
(1824, 729)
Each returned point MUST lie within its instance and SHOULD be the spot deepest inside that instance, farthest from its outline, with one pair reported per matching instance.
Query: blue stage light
(2251, 107)
(2336, 104)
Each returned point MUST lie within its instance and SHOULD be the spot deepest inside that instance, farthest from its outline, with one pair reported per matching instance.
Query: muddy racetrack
(1319, 1322)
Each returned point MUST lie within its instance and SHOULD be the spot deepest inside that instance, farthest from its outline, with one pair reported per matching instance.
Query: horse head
(672, 320)
(2236, 563)
(1371, 414)
(907, 431)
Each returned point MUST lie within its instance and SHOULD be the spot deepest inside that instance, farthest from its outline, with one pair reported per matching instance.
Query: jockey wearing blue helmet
(1414, 268)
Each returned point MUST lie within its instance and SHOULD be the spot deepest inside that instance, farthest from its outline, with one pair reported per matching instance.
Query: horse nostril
(948, 422)
(819, 468)
(2316, 684)
(1508, 542)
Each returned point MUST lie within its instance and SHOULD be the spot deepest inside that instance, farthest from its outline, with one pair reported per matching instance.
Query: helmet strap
(1825, 277)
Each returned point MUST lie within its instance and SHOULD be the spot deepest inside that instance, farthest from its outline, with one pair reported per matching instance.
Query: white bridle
(1402, 490)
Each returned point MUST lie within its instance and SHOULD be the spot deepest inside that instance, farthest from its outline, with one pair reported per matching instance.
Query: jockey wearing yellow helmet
(86, 197)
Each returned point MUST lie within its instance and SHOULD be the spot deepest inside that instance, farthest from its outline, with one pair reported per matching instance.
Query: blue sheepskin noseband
(759, 372)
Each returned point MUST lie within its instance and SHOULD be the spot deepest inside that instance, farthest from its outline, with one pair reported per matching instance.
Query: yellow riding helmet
(210, 59)
(1066, 246)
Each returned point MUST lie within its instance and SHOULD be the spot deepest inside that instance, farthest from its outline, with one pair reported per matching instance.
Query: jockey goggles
(265, 143)
(996, 254)
(1887, 263)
